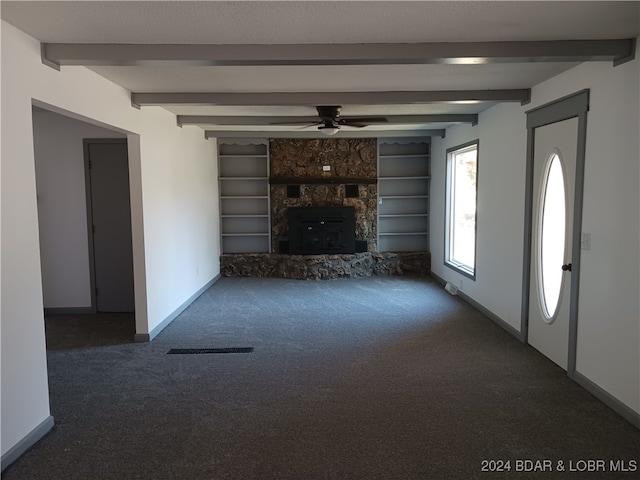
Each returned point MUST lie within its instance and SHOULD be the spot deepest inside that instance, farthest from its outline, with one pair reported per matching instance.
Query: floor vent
(201, 351)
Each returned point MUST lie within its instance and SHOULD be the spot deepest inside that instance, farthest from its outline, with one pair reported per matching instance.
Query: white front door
(554, 171)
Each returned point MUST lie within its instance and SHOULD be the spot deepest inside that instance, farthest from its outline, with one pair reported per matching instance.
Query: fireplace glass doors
(318, 230)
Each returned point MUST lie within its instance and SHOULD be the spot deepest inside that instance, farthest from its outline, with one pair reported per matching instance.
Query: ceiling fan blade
(364, 120)
(295, 123)
(353, 124)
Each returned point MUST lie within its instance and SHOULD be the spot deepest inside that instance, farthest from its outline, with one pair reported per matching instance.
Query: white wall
(501, 131)
(174, 214)
(501, 178)
(62, 202)
(609, 312)
(181, 219)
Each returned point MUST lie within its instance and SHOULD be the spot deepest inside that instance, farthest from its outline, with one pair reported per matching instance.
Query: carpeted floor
(89, 330)
(373, 378)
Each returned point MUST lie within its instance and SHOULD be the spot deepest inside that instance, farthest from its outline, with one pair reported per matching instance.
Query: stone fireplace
(323, 173)
(322, 209)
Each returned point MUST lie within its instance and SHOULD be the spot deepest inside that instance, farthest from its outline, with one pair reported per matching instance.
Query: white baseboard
(609, 400)
(485, 311)
(29, 440)
(147, 337)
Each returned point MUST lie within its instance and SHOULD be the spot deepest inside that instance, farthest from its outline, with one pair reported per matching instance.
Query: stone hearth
(316, 267)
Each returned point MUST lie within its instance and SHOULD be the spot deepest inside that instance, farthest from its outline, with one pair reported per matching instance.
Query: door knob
(566, 267)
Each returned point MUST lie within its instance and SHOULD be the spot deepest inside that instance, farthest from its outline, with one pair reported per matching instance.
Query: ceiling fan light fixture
(329, 129)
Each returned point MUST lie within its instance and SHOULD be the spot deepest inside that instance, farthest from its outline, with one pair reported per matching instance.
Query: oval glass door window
(552, 230)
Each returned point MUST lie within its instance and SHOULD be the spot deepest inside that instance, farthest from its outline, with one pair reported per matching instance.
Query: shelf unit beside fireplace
(244, 197)
(403, 195)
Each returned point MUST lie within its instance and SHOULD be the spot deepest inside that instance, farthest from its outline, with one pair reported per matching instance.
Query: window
(460, 217)
(552, 228)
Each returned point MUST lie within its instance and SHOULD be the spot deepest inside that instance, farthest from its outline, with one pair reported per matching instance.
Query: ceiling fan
(331, 122)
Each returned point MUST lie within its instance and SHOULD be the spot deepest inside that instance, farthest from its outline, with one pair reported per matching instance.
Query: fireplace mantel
(321, 180)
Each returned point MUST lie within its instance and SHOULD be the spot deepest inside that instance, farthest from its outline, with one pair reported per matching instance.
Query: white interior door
(554, 171)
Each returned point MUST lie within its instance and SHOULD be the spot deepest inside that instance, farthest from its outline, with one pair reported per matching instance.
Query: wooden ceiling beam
(330, 98)
(456, 53)
(297, 120)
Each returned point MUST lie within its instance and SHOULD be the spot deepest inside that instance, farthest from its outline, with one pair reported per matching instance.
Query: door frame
(571, 106)
(87, 179)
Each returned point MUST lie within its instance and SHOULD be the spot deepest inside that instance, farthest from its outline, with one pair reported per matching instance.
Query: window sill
(461, 269)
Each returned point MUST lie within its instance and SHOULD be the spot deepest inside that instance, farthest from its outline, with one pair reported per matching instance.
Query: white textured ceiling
(345, 21)
(311, 22)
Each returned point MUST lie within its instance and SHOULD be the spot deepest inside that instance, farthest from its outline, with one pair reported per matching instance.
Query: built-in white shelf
(244, 196)
(243, 179)
(405, 178)
(404, 196)
(245, 234)
(404, 174)
(403, 155)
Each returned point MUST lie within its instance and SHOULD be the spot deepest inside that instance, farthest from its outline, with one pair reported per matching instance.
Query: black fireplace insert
(317, 230)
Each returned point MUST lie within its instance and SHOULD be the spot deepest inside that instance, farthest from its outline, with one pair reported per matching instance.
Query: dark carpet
(373, 378)
(89, 330)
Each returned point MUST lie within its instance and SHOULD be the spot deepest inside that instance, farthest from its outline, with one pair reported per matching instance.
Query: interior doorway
(66, 245)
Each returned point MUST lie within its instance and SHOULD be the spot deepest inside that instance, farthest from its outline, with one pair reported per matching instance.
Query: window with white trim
(460, 216)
